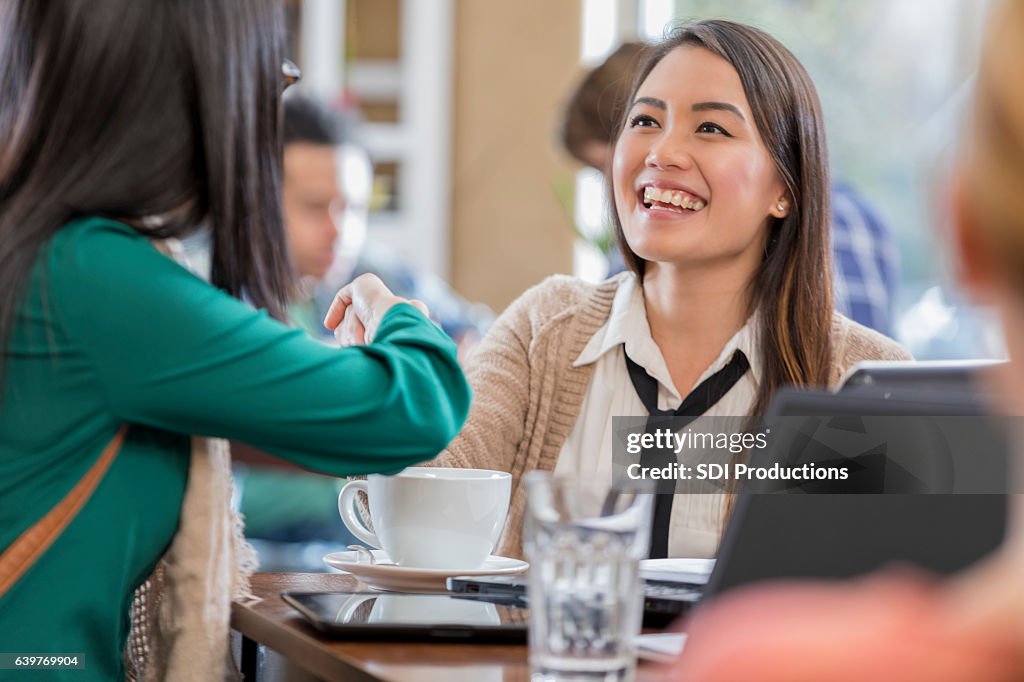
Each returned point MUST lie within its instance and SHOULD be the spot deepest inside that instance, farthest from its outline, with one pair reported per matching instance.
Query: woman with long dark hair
(124, 122)
(720, 196)
(901, 624)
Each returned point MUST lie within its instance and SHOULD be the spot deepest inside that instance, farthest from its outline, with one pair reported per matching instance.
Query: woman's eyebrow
(651, 101)
(718, 106)
(699, 106)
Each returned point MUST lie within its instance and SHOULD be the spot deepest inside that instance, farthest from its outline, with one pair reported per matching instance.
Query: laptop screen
(789, 533)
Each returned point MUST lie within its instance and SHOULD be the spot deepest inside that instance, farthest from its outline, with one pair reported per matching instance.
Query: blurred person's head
(593, 116)
(721, 166)
(313, 199)
(159, 114)
(989, 201)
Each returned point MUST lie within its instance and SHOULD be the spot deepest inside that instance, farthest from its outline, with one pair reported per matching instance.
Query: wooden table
(276, 625)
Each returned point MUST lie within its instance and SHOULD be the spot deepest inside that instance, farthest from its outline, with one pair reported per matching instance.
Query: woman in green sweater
(124, 121)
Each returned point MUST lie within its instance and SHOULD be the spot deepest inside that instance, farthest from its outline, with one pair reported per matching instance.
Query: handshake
(358, 308)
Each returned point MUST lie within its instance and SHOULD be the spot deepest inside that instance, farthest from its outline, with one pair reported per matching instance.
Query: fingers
(363, 293)
(339, 306)
(350, 332)
(358, 308)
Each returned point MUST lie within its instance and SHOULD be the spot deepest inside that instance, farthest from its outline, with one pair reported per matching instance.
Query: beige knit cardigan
(527, 394)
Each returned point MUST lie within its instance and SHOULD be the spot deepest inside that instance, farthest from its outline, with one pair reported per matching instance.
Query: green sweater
(111, 331)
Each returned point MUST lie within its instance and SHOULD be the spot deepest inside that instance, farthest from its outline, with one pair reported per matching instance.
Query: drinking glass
(584, 542)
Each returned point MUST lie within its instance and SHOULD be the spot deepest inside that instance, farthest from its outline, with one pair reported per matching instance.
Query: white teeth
(667, 196)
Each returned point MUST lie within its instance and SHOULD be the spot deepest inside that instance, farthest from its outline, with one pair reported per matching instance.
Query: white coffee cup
(428, 517)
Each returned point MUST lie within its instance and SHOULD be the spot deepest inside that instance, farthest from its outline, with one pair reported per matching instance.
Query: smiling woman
(720, 186)
(899, 624)
(715, 111)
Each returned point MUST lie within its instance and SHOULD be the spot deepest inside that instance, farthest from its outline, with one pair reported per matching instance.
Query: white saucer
(385, 575)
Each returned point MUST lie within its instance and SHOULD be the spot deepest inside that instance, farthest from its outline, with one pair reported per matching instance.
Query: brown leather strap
(31, 544)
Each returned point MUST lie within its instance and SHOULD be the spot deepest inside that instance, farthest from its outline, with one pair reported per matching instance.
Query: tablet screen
(388, 615)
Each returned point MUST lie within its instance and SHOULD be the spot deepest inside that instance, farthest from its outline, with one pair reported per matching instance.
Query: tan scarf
(181, 614)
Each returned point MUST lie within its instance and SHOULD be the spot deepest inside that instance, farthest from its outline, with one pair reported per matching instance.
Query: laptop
(834, 535)
(845, 535)
(965, 378)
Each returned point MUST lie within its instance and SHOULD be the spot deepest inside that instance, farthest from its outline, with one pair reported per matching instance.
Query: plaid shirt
(866, 261)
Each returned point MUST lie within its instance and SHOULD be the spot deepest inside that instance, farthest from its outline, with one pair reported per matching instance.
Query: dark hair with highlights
(793, 286)
(131, 109)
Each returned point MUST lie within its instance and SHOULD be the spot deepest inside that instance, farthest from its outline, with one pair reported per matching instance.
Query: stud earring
(781, 206)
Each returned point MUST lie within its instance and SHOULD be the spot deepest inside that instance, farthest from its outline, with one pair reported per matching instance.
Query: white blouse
(696, 521)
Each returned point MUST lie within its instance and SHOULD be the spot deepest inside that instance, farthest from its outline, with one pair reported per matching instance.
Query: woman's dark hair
(792, 288)
(158, 113)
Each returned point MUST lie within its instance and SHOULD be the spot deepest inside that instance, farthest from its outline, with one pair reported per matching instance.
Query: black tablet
(402, 616)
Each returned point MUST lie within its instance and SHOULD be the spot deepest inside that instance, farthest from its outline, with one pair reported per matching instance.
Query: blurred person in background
(327, 184)
(593, 115)
(865, 249)
(900, 624)
(720, 199)
(125, 123)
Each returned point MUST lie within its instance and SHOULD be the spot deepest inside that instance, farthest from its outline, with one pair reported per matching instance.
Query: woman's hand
(358, 308)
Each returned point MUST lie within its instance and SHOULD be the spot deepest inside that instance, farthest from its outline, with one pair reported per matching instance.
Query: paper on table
(661, 647)
(692, 571)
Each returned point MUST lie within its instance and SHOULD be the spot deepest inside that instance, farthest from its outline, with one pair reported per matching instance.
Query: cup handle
(349, 516)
